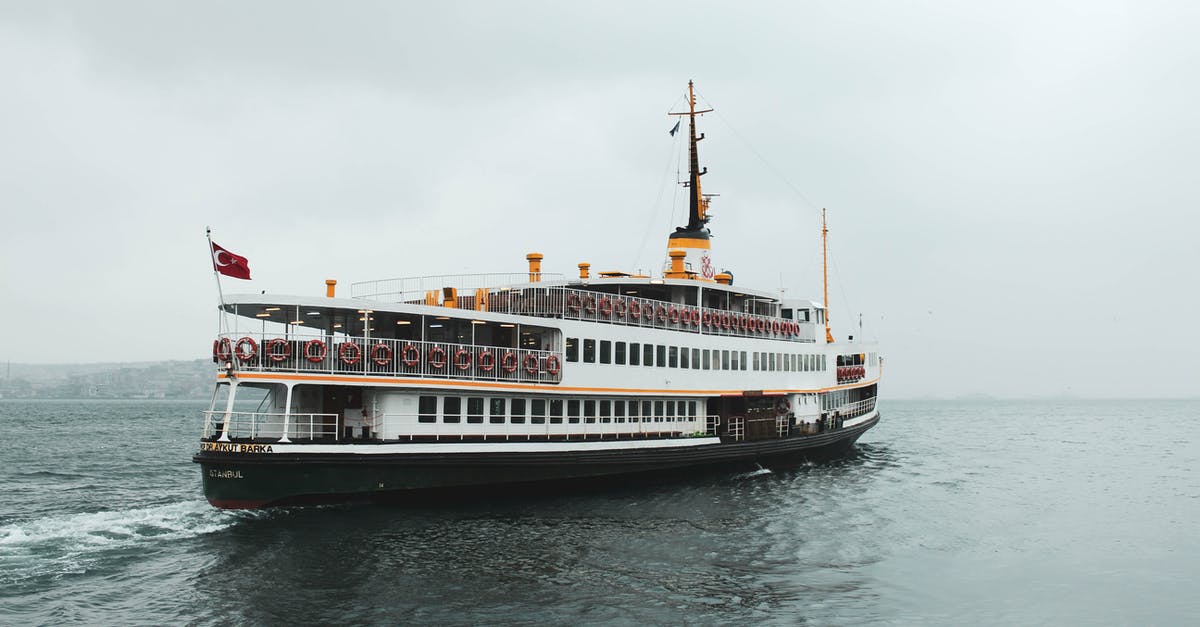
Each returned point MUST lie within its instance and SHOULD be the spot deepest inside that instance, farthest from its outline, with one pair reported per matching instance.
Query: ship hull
(234, 480)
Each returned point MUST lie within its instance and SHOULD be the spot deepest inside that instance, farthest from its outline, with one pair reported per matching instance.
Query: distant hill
(158, 379)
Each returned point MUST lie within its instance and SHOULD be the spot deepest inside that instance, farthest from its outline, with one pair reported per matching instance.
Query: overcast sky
(1011, 185)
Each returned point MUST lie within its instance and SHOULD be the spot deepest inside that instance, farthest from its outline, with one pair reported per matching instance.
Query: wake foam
(60, 545)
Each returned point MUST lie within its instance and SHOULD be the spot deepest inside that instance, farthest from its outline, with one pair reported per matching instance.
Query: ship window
(427, 409)
(605, 351)
(589, 351)
(658, 411)
(743, 360)
(517, 410)
(572, 349)
(695, 359)
(756, 361)
(496, 411)
(537, 411)
(772, 358)
(619, 410)
(556, 411)
(619, 354)
(647, 354)
(787, 314)
(589, 411)
(684, 353)
(647, 411)
(724, 360)
(787, 362)
(670, 410)
(733, 361)
(691, 408)
(605, 411)
(452, 409)
(475, 410)
(661, 352)
(573, 411)
(707, 359)
(633, 411)
(673, 356)
(635, 353)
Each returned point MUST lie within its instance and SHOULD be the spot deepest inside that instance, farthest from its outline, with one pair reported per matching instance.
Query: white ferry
(450, 383)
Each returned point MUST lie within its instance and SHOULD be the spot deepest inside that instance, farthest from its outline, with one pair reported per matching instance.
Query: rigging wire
(657, 199)
(811, 205)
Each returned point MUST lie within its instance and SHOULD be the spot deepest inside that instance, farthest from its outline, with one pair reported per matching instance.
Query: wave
(75, 543)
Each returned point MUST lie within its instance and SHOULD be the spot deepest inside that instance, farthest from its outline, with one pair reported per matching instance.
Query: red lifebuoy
(318, 356)
(606, 307)
(350, 353)
(635, 309)
(762, 325)
(725, 321)
(619, 307)
(462, 359)
(589, 304)
(661, 313)
(224, 349)
(694, 317)
(409, 355)
(573, 302)
(553, 365)
(673, 315)
(437, 357)
(243, 354)
(706, 319)
(531, 363)
(274, 355)
(381, 354)
(216, 343)
(775, 327)
(508, 362)
(486, 360)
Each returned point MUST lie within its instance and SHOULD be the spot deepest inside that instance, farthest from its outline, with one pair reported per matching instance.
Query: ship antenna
(697, 204)
(825, 273)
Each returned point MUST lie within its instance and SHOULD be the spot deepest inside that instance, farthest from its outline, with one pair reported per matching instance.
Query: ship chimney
(583, 270)
(535, 267)
(330, 285)
(677, 270)
(724, 278)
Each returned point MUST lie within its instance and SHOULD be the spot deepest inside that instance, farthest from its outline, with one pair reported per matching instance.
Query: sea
(980, 512)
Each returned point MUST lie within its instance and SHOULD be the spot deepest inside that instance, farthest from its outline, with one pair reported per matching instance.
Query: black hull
(242, 481)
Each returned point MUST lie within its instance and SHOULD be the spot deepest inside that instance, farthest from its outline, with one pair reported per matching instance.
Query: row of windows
(538, 411)
(635, 354)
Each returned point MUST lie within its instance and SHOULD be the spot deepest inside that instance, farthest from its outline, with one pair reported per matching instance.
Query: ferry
(439, 384)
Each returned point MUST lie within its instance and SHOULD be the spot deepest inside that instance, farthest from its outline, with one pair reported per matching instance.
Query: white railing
(850, 374)
(854, 409)
(258, 425)
(256, 352)
(415, 289)
(412, 426)
(576, 304)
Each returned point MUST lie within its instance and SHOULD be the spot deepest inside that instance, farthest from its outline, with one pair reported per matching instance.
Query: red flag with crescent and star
(230, 264)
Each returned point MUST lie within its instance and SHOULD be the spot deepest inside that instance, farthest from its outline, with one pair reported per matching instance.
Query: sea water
(982, 512)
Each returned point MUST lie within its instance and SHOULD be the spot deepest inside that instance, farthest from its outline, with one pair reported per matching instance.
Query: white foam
(58, 545)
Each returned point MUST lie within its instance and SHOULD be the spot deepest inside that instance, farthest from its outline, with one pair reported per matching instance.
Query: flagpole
(222, 325)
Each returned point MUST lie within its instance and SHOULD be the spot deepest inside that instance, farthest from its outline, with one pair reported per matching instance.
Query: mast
(825, 273)
(697, 207)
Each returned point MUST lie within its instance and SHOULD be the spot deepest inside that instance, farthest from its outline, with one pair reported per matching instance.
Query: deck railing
(855, 409)
(256, 352)
(258, 425)
(576, 304)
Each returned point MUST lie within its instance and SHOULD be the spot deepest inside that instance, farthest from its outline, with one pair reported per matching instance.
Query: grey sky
(1010, 185)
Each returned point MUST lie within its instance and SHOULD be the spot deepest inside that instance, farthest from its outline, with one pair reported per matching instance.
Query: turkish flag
(230, 264)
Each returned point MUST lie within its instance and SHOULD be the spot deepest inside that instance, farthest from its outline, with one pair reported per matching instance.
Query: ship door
(727, 407)
(341, 402)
